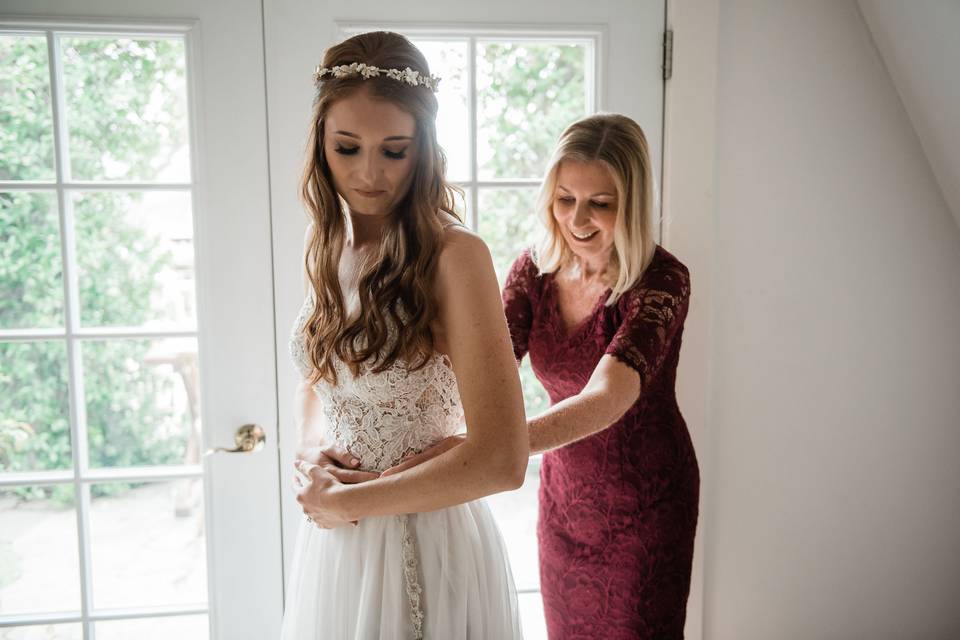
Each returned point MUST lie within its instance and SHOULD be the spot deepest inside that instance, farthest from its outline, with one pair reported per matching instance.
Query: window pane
(34, 406)
(147, 543)
(135, 259)
(527, 94)
(531, 616)
(142, 400)
(31, 285)
(508, 224)
(26, 116)
(44, 632)
(39, 566)
(180, 627)
(448, 59)
(516, 514)
(126, 102)
(535, 398)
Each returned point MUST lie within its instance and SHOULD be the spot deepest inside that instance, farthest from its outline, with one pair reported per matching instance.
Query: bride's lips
(370, 194)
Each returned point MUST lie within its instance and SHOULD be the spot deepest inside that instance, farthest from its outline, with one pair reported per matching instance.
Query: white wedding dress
(441, 575)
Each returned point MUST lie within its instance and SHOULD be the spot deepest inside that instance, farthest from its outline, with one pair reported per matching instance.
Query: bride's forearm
(464, 473)
(306, 416)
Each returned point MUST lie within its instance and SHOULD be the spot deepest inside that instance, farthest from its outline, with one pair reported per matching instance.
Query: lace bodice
(382, 417)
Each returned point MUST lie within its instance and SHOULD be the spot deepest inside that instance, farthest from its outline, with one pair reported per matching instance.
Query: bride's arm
(311, 446)
(493, 457)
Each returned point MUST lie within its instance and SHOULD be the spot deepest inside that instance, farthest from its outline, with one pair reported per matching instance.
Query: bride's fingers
(305, 467)
(340, 455)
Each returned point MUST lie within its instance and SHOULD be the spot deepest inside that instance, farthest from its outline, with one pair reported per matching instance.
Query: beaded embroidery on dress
(442, 574)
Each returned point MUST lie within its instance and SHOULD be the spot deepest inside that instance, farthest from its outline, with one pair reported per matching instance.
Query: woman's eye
(600, 205)
(346, 151)
(565, 200)
(396, 155)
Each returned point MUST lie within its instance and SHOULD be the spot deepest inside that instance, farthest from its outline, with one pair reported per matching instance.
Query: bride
(401, 340)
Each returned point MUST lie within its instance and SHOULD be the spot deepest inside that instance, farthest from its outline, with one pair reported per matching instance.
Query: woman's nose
(581, 215)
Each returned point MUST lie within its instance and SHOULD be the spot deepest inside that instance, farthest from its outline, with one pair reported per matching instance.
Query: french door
(136, 323)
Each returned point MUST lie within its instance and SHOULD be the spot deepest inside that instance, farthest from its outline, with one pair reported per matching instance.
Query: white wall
(921, 51)
(833, 498)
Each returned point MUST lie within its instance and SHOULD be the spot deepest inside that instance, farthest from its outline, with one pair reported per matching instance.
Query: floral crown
(408, 75)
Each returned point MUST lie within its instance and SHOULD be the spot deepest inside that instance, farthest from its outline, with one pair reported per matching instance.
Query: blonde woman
(599, 307)
(401, 339)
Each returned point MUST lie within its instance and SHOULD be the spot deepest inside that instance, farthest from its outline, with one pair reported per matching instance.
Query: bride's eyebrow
(350, 134)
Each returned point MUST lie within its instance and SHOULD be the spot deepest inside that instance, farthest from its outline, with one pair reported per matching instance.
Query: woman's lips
(584, 237)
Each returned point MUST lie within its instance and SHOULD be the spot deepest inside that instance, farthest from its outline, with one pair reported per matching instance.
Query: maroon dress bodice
(618, 509)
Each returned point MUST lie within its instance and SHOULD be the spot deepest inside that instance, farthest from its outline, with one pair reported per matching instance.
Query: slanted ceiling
(920, 46)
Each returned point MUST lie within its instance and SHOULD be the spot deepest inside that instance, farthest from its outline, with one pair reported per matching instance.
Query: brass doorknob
(249, 439)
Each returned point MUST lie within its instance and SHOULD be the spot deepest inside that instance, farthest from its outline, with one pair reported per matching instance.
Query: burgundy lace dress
(618, 509)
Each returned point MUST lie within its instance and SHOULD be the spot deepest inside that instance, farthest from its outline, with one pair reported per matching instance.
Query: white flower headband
(408, 75)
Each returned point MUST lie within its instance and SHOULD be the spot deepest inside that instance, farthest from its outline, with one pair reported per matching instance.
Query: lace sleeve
(517, 302)
(654, 313)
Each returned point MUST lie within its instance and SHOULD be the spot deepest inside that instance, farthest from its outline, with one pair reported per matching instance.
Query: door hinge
(667, 54)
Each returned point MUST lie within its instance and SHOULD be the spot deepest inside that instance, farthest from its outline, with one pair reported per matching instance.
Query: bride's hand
(337, 461)
(317, 492)
(444, 445)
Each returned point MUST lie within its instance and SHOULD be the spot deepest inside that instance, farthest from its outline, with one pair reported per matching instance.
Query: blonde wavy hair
(620, 145)
(396, 300)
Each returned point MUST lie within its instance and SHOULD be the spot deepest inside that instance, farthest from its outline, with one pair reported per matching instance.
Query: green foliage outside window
(117, 83)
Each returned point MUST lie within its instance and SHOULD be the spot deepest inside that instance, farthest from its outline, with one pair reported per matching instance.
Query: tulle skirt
(442, 575)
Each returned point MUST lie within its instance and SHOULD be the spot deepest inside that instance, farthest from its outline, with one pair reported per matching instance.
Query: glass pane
(516, 514)
(39, 565)
(535, 398)
(31, 285)
(142, 399)
(126, 103)
(527, 93)
(147, 544)
(508, 224)
(531, 616)
(34, 406)
(26, 115)
(135, 259)
(44, 632)
(180, 627)
(464, 206)
(448, 59)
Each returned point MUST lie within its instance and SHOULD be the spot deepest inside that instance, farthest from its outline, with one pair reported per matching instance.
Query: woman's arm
(493, 456)
(611, 391)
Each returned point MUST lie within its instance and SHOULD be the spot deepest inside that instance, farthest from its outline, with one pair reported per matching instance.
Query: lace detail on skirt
(411, 577)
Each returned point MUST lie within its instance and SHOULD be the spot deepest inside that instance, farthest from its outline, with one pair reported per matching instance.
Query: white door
(513, 75)
(136, 305)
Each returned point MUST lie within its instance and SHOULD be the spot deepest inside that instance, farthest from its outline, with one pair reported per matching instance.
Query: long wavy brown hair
(395, 289)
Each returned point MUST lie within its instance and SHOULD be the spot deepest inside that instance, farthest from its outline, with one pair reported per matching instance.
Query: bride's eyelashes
(350, 151)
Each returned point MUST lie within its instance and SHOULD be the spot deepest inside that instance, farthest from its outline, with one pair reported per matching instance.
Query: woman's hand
(418, 458)
(317, 492)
